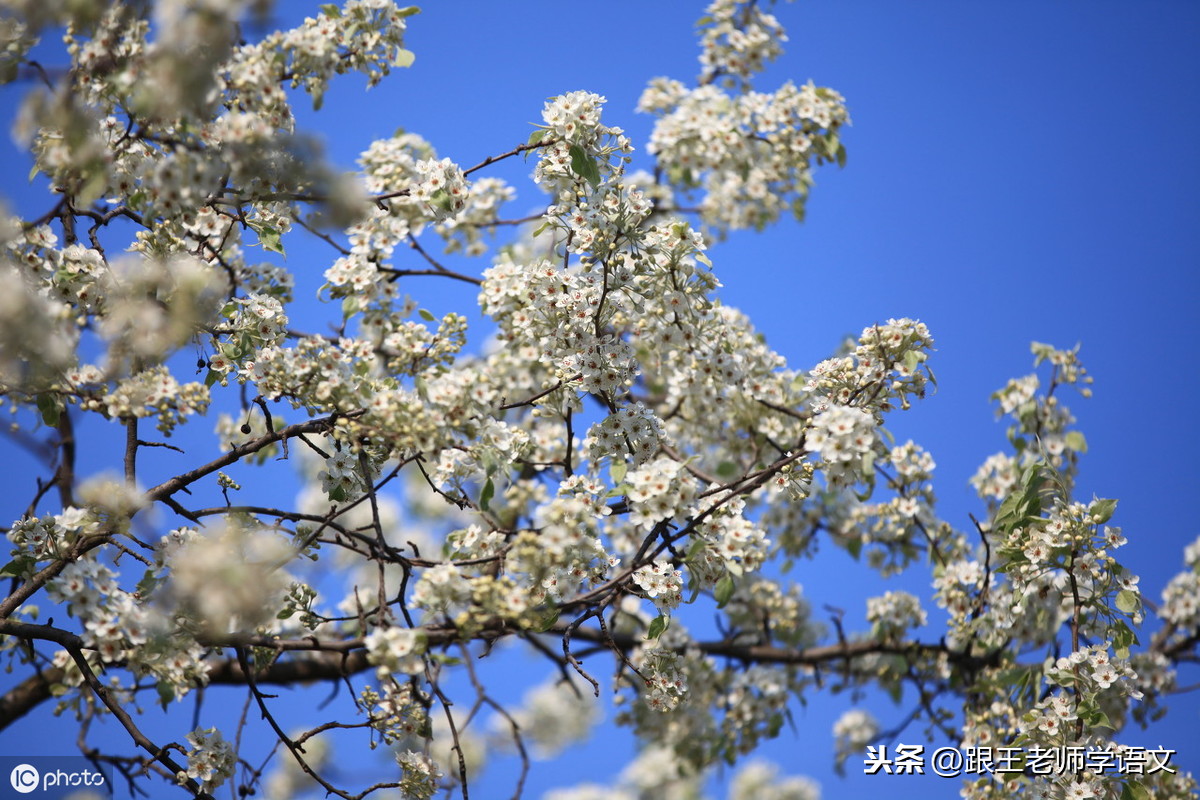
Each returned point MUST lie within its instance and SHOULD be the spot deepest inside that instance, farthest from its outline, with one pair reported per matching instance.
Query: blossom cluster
(211, 759)
(557, 714)
(398, 715)
(661, 582)
(894, 614)
(886, 366)
(737, 40)
(665, 684)
(1181, 596)
(394, 649)
(842, 435)
(853, 731)
(227, 579)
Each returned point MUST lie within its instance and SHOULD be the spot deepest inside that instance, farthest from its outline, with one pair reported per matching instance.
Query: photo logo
(24, 778)
(54, 777)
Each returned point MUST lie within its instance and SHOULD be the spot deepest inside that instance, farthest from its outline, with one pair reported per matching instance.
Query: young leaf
(166, 693)
(1127, 601)
(271, 239)
(657, 626)
(1102, 510)
(584, 165)
(49, 408)
(547, 622)
(723, 590)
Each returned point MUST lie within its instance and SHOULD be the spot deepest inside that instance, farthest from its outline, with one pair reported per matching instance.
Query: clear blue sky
(1017, 171)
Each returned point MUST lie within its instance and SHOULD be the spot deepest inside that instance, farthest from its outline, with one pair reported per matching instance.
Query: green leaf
(1135, 791)
(408, 11)
(831, 144)
(657, 626)
(798, 209)
(441, 199)
(536, 136)
(426, 315)
(93, 188)
(166, 693)
(912, 359)
(33, 171)
(146, 585)
(404, 58)
(271, 239)
(349, 306)
(868, 468)
(1008, 509)
(17, 567)
(1098, 719)
(331, 10)
(485, 496)
(212, 378)
(840, 155)
(727, 469)
(1102, 510)
(724, 590)
(854, 546)
(1127, 601)
(1076, 442)
(584, 165)
(617, 470)
(547, 622)
(50, 410)
(1122, 638)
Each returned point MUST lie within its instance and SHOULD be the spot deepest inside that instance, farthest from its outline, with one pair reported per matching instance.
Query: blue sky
(1017, 171)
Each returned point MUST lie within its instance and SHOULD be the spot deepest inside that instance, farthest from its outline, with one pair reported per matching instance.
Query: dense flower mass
(606, 468)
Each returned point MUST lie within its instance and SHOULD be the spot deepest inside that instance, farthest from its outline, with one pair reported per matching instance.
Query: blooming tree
(606, 460)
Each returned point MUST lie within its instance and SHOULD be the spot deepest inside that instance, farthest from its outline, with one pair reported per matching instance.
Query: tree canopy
(599, 464)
